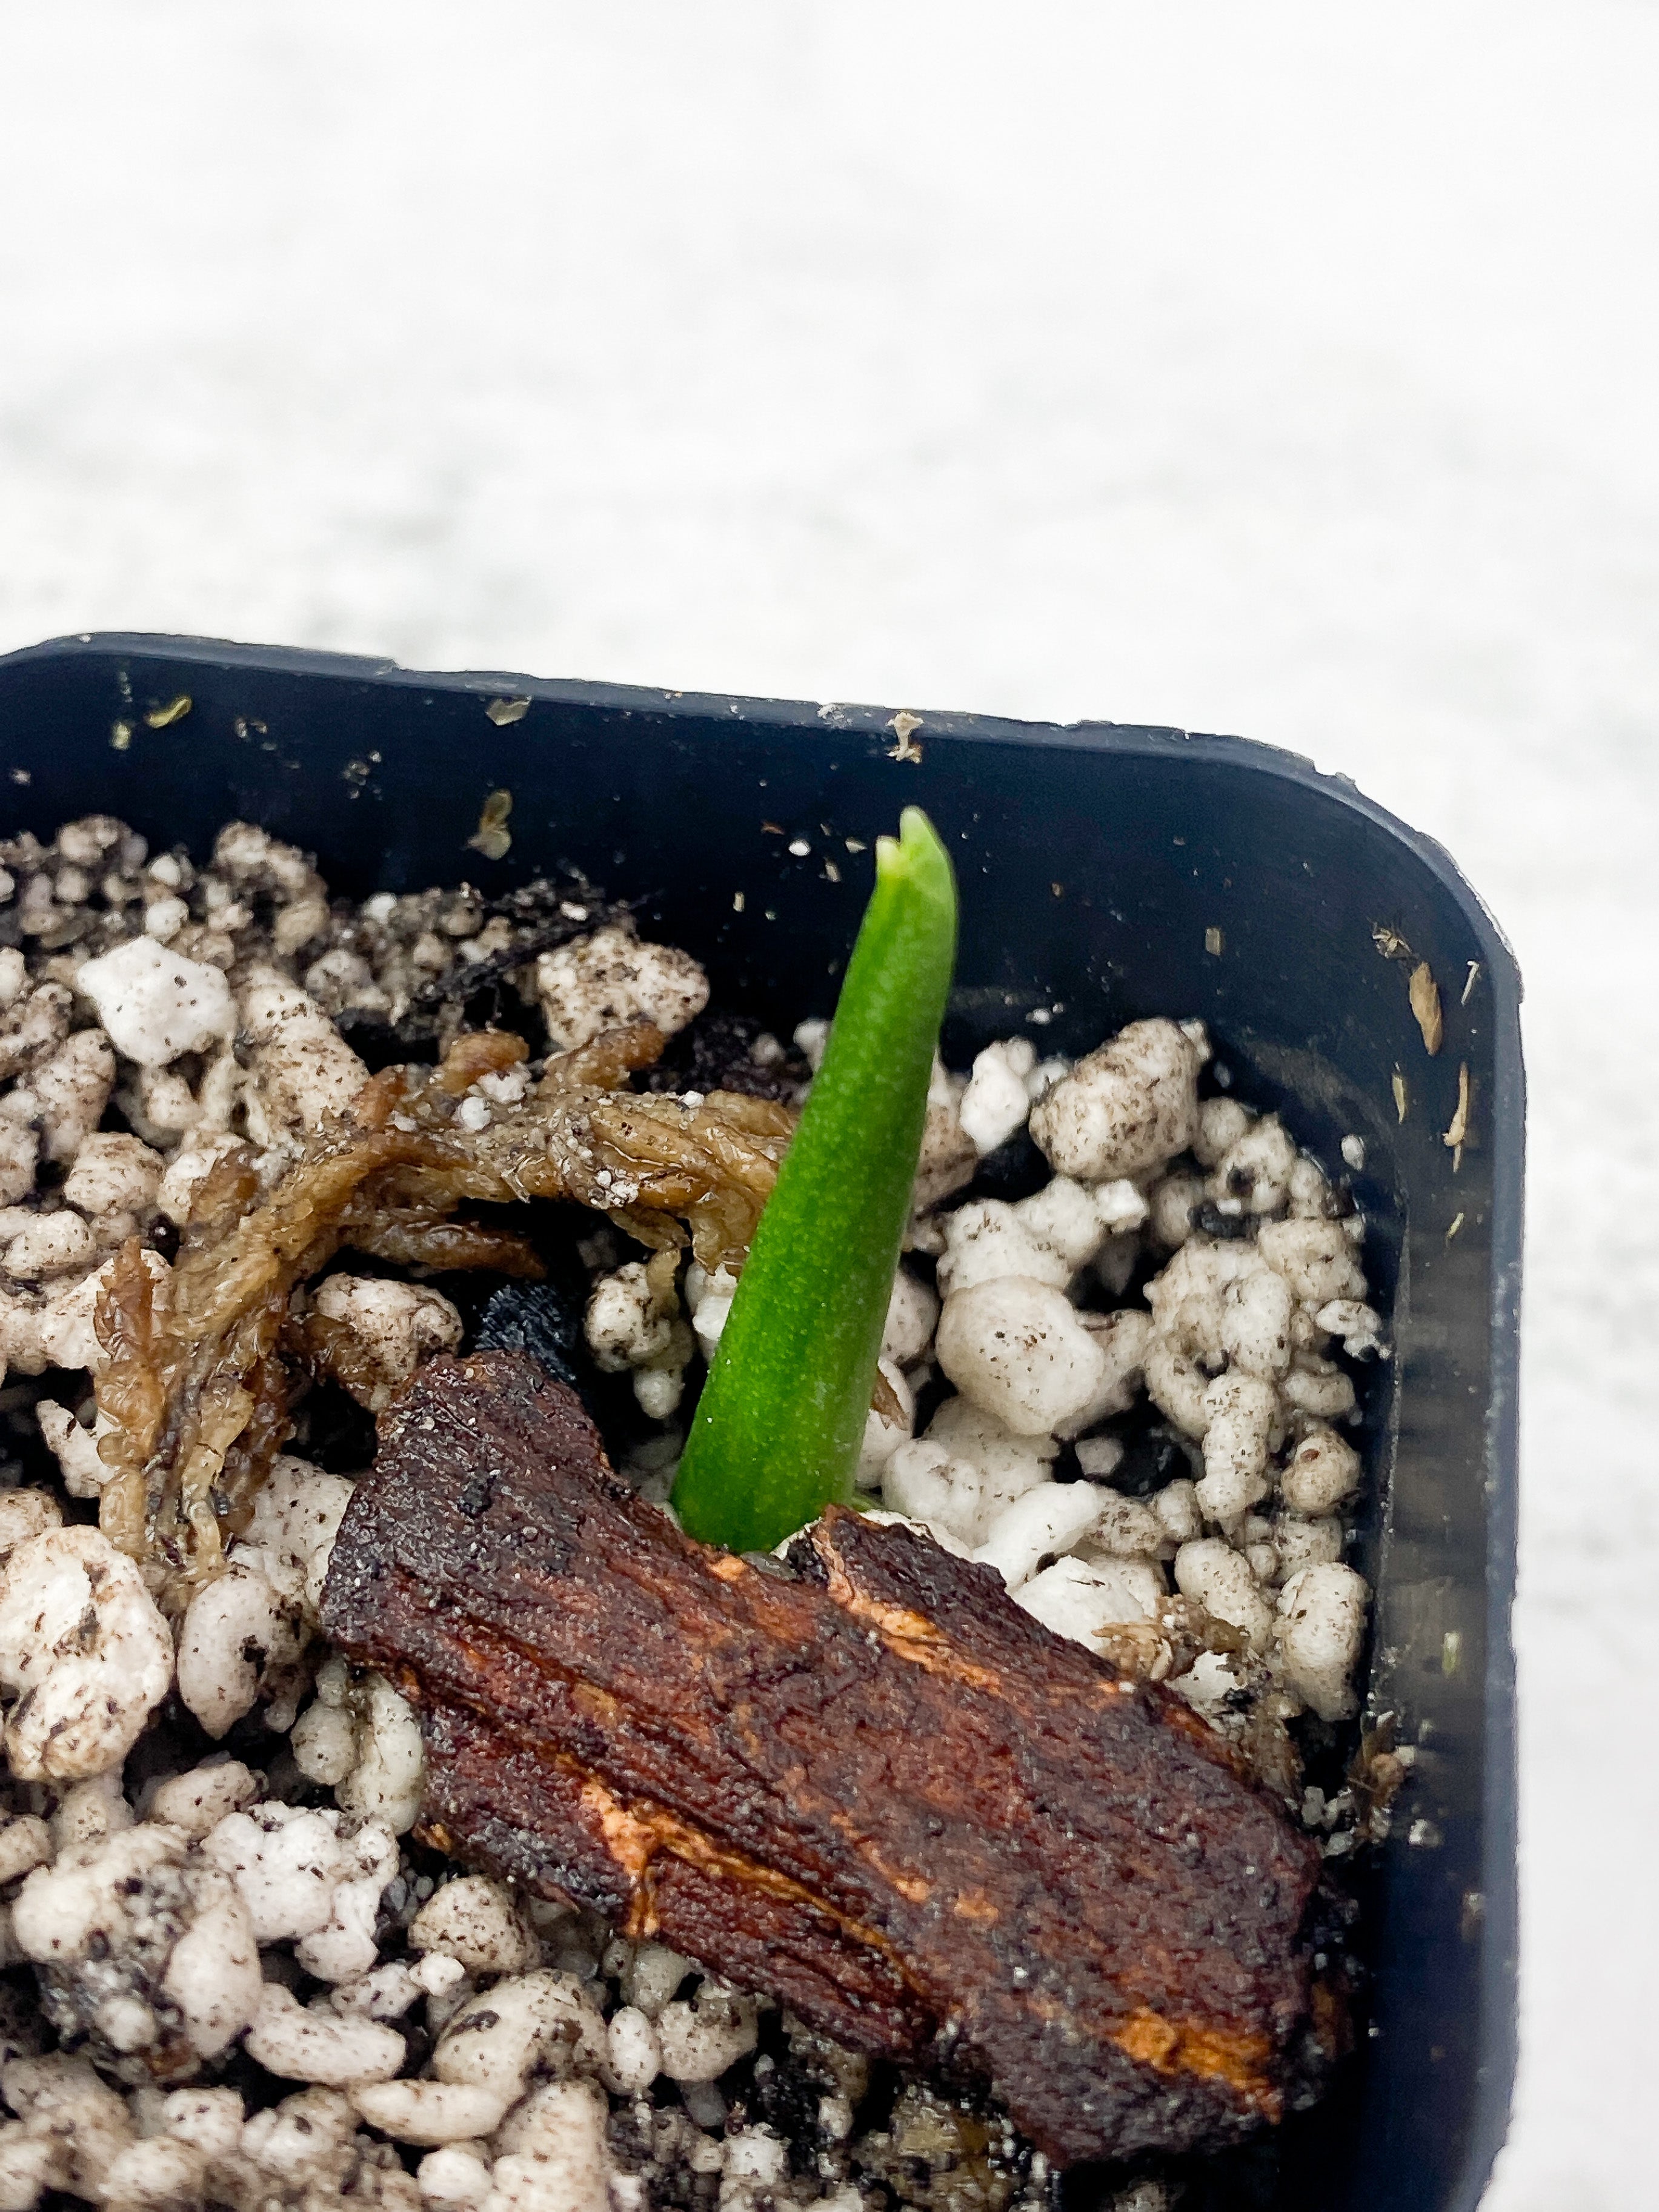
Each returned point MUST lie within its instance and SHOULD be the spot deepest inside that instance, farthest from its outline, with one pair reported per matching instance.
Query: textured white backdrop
(1281, 369)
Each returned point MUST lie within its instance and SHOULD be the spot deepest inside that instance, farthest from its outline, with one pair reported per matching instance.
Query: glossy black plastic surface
(1106, 872)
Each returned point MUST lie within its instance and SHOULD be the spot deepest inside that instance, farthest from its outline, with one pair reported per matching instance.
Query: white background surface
(1284, 369)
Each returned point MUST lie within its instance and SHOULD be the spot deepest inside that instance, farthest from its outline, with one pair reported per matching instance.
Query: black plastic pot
(1106, 872)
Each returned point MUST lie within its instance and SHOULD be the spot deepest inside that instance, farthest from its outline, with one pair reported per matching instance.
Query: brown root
(475, 1052)
(195, 1387)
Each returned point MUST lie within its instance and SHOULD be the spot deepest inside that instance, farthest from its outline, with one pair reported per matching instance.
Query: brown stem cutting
(872, 1786)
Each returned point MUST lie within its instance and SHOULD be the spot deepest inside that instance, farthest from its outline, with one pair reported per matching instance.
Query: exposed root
(196, 1385)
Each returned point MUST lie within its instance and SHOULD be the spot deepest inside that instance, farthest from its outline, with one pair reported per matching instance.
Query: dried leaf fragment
(492, 837)
(502, 711)
(1426, 1004)
(904, 726)
(1213, 939)
(1457, 1135)
(1399, 1088)
(163, 718)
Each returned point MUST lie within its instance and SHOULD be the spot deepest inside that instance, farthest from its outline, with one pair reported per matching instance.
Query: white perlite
(1321, 1628)
(1017, 1348)
(996, 1102)
(544, 2022)
(145, 1921)
(86, 1651)
(1234, 1352)
(1078, 1597)
(239, 1637)
(155, 1004)
(303, 1070)
(595, 982)
(1125, 1107)
(313, 2043)
(393, 1325)
(302, 1878)
(477, 1923)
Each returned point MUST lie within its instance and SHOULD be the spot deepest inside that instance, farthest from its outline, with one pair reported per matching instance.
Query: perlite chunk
(923, 1483)
(86, 1649)
(364, 1740)
(64, 1097)
(1046, 1237)
(20, 1151)
(912, 1315)
(299, 1876)
(429, 2112)
(334, 2051)
(198, 1800)
(1077, 1598)
(701, 2038)
(33, 1026)
(538, 2023)
(477, 1922)
(61, 2102)
(1125, 1107)
(997, 1102)
(393, 1327)
(636, 2053)
(1017, 1348)
(1299, 1543)
(1314, 1258)
(303, 1070)
(1220, 1580)
(23, 1513)
(1050, 1518)
(155, 1004)
(112, 1173)
(553, 2153)
(1254, 1170)
(25, 1843)
(1323, 1471)
(75, 1448)
(455, 2178)
(53, 1244)
(295, 1518)
(137, 1938)
(597, 982)
(239, 1640)
(1321, 1628)
(155, 2175)
(1242, 1411)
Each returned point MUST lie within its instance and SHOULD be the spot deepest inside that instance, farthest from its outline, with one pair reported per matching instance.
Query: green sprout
(780, 1423)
